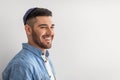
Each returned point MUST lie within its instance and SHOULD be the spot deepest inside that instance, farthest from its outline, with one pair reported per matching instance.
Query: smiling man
(33, 62)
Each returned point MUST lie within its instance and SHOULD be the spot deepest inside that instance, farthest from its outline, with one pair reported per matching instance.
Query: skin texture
(42, 33)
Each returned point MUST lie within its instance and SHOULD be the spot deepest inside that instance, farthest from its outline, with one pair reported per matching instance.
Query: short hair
(33, 13)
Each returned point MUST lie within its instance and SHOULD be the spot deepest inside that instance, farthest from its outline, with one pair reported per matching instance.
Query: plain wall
(87, 39)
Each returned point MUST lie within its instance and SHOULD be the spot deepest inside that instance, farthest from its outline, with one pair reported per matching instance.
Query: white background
(87, 40)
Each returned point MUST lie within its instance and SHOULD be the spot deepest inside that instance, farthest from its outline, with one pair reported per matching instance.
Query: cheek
(41, 34)
(37, 34)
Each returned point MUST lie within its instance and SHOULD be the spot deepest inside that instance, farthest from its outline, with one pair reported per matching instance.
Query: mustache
(48, 36)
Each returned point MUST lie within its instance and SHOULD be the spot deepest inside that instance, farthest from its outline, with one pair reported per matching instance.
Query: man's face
(42, 32)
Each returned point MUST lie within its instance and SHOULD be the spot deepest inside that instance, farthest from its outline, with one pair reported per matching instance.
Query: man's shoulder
(24, 57)
(22, 60)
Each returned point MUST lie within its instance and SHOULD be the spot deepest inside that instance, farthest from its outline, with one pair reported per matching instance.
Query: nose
(50, 31)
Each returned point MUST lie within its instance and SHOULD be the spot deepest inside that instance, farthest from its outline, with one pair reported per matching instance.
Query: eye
(42, 26)
(52, 27)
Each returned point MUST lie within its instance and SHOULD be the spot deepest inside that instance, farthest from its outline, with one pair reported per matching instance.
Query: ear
(28, 29)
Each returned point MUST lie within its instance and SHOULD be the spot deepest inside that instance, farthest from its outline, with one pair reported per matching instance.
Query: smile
(48, 39)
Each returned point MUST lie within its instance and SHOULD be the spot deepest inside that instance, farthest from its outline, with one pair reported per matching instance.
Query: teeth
(48, 38)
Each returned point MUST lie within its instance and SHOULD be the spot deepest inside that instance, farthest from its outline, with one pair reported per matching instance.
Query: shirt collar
(34, 50)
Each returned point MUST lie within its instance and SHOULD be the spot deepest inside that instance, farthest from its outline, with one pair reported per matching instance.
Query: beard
(38, 41)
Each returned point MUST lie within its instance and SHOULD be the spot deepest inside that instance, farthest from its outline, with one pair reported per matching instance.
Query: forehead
(44, 19)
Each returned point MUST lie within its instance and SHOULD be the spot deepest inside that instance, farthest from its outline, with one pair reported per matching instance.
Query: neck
(35, 45)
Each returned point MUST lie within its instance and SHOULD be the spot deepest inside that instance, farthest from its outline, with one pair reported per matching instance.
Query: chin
(48, 47)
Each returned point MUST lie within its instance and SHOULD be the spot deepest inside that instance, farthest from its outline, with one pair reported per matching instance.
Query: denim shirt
(27, 65)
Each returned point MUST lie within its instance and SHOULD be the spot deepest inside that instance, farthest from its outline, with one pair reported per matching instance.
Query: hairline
(32, 21)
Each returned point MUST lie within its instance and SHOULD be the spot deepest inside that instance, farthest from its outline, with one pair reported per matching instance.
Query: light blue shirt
(27, 65)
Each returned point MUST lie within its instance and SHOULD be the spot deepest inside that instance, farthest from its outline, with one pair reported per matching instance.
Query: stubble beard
(38, 42)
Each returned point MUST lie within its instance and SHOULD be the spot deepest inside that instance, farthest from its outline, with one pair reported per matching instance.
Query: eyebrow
(53, 24)
(46, 25)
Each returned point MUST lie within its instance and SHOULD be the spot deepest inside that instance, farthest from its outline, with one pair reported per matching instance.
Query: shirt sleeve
(19, 72)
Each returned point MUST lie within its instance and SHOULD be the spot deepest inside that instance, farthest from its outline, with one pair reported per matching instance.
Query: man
(33, 62)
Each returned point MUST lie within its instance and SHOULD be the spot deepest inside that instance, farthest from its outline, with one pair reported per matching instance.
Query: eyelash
(52, 27)
(42, 27)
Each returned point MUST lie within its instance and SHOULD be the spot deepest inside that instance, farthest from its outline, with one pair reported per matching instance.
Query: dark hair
(34, 12)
